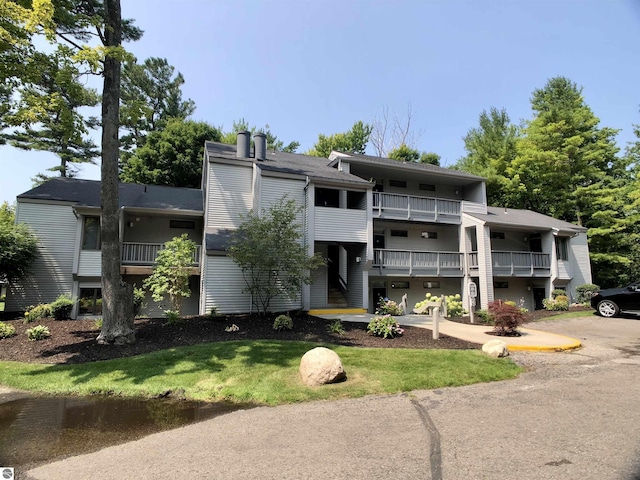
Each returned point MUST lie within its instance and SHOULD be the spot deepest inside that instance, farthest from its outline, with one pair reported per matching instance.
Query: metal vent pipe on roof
(260, 145)
(243, 144)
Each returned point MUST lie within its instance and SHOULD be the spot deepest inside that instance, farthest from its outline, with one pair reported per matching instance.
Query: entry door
(535, 242)
(538, 296)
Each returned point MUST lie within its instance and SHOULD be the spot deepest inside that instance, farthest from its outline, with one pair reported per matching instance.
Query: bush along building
(386, 228)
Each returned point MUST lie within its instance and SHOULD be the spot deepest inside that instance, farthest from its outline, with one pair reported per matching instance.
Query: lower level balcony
(516, 264)
(418, 263)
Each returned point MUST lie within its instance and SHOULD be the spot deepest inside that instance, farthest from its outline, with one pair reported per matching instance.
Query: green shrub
(138, 300)
(585, 292)
(336, 327)
(506, 318)
(213, 313)
(385, 327)
(98, 324)
(283, 322)
(388, 307)
(485, 317)
(557, 304)
(557, 292)
(7, 330)
(173, 316)
(454, 304)
(61, 307)
(39, 332)
(3, 298)
(35, 313)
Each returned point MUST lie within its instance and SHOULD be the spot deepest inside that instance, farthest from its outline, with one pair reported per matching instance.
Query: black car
(611, 301)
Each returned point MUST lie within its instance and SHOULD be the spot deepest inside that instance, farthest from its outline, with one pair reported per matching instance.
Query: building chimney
(243, 144)
(260, 145)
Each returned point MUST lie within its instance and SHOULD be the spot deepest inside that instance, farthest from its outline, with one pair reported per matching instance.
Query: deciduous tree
(171, 156)
(269, 251)
(351, 141)
(170, 274)
(18, 246)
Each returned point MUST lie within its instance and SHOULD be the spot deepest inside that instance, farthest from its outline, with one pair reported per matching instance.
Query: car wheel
(607, 308)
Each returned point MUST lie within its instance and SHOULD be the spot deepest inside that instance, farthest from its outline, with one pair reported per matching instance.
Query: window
(562, 250)
(500, 284)
(399, 233)
(404, 285)
(90, 301)
(430, 284)
(428, 187)
(184, 224)
(430, 235)
(91, 233)
(398, 183)
(499, 235)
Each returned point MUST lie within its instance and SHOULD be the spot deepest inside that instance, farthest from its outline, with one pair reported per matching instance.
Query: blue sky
(310, 67)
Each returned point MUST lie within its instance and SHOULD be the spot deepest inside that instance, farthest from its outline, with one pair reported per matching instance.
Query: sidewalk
(531, 340)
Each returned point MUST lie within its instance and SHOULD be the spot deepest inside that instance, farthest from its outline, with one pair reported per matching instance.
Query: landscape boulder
(320, 366)
(495, 348)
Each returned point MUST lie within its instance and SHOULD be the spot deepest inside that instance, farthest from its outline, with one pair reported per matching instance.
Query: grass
(262, 372)
(561, 316)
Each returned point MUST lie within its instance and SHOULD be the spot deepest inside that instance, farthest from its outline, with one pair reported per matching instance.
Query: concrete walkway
(531, 340)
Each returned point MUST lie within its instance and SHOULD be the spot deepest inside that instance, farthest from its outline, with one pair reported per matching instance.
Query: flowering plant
(388, 307)
(385, 327)
(232, 328)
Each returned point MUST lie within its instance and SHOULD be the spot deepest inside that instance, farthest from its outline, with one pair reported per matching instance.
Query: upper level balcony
(395, 206)
(516, 264)
(411, 262)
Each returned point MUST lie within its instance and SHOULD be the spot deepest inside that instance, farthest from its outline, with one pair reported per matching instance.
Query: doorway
(539, 295)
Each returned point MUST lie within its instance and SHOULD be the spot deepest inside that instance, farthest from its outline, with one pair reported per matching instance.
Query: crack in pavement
(435, 453)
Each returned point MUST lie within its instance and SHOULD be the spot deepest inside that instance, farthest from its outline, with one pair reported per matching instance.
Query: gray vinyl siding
(90, 264)
(516, 292)
(416, 292)
(56, 227)
(340, 225)
(355, 275)
(273, 189)
(447, 240)
(579, 257)
(156, 229)
(223, 286)
(229, 194)
(319, 281)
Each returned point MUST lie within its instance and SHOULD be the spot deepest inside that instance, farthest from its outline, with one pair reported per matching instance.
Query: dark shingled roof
(217, 240)
(292, 163)
(415, 166)
(86, 193)
(526, 218)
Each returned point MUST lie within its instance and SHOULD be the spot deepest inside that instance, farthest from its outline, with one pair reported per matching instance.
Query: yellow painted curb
(338, 311)
(555, 348)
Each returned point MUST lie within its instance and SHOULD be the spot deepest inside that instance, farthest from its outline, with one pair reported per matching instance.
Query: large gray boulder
(495, 348)
(320, 366)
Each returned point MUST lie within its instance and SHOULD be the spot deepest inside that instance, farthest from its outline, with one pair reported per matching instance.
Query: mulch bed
(73, 341)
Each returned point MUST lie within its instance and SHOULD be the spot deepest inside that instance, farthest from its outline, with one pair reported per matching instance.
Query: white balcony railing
(146, 253)
(513, 263)
(417, 262)
(393, 205)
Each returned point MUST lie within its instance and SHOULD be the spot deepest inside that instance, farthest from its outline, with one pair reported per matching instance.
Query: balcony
(144, 255)
(409, 262)
(407, 207)
(516, 264)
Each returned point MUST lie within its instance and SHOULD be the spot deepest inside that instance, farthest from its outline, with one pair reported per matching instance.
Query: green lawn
(263, 372)
(560, 316)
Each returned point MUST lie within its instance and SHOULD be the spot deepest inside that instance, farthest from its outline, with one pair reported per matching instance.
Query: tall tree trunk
(117, 296)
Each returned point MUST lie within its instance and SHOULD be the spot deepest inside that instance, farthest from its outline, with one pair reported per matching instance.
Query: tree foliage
(151, 96)
(268, 249)
(170, 276)
(273, 142)
(171, 156)
(404, 153)
(491, 147)
(18, 246)
(351, 141)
